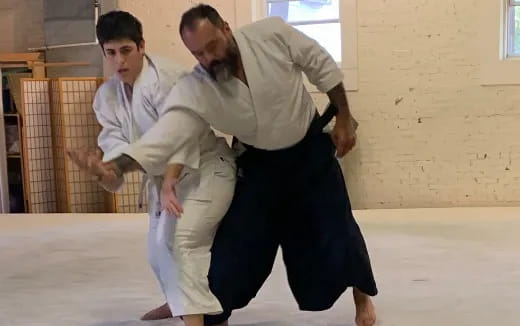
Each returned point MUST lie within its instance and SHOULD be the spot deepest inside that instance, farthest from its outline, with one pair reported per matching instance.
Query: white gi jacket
(276, 110)
(190, 139)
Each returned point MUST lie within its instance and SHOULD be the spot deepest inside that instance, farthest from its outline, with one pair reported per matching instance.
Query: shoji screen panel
(75, 126)
(40, 191)
(127, 198)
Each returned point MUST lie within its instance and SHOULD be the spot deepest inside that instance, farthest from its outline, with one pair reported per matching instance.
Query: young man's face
(214, 47)
(125, 58)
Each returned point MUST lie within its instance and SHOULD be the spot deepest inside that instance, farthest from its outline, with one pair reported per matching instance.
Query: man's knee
(193, 240)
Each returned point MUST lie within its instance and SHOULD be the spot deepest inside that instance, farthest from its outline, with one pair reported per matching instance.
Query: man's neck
(143, 63)
(129, 87)
(129, 91)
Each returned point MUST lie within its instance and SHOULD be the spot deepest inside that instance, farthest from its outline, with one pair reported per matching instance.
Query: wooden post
(38, 69)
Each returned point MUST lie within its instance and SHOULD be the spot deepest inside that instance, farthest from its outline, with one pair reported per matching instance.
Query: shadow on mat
(171, 322)
(289, 323)
(164, 322)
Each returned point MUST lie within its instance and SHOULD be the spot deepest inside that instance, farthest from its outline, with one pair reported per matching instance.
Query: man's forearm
(174, 171)
(124, 164)
(338, 98)
(111, 185)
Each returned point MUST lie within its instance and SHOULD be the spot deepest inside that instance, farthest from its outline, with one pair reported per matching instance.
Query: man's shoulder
(108, 89)
(193, 80)
(263, 27)
(166, 67)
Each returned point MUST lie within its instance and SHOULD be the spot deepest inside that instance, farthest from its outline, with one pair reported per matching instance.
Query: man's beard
(226, 68)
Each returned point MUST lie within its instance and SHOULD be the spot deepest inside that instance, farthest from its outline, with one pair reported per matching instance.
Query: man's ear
(140, 46)
(226, 27)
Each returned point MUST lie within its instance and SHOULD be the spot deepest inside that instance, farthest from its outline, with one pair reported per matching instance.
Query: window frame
(348, 19)
(307, 22)
(509, 28)
(495, 67)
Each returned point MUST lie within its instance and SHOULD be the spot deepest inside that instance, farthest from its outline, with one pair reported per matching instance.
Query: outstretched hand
(91, 162)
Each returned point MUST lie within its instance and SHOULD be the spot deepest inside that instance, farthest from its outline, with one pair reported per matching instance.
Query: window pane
(328, 35)
(304, 10)
(516, 35)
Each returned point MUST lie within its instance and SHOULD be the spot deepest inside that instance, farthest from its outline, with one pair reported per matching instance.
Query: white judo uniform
(178, 249)
(289, 167)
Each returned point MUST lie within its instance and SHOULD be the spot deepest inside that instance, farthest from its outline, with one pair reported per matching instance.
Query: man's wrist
(347, 118)
(123, 164)
(343, 115)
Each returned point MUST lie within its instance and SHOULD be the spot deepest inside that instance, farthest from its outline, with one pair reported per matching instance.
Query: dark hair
(201, 11)
(118, 25)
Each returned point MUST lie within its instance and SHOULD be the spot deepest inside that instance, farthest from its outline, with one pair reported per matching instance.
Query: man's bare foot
(162, 312)
(365, 310)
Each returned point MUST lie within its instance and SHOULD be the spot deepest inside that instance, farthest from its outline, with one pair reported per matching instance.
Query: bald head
(192, 17)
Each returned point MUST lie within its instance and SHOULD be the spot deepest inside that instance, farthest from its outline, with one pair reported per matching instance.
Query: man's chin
(124, 77)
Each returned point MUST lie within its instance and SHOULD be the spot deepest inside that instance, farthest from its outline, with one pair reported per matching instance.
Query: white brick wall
(430, 135)
(448, 141)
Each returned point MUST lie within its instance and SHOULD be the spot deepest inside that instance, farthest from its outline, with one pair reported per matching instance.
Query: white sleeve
(317, 64)
(174, 138)
(111, 140)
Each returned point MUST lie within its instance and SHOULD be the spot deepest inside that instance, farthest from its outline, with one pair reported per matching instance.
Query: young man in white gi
(290, 189)
(199, 164)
